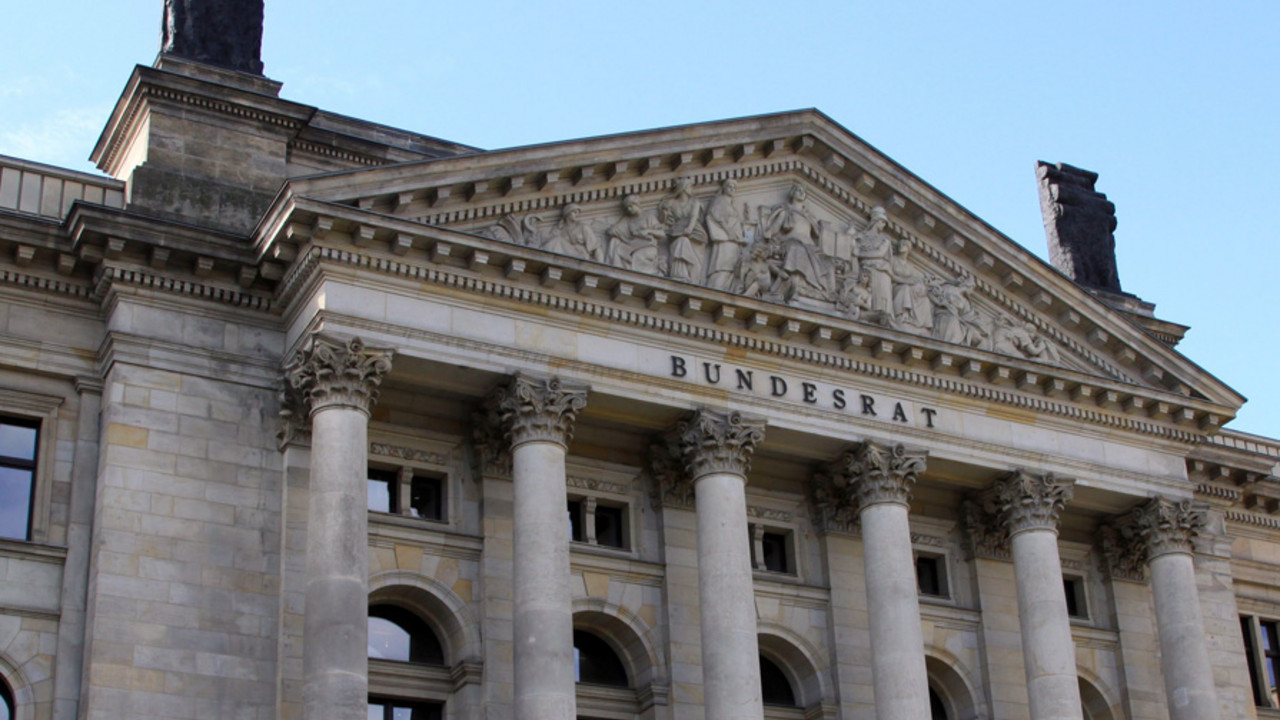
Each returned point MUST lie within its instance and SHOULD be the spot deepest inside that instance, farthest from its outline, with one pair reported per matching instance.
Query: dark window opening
(1246, 630)
(937, 708)
(577, 527)
(773, 549)
(1270, 658)
(18, 441)
(775, 688)
(931, 576)
(426, 497)
(595, 663)
(390, 709)
(382, 491)
(1077, 607)
(6, 701)
(399, 635)
(609, 526)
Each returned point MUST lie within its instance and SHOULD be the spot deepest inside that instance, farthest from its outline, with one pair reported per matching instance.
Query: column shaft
(543, 613)
(1184, 657)
(335, 660)
(730, 648)
(1047, 648)
(893, 607)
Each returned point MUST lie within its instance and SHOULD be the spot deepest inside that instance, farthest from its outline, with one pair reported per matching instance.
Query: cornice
(642, 301)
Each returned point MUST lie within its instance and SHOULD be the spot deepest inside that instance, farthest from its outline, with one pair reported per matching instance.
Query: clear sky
(1174, 104)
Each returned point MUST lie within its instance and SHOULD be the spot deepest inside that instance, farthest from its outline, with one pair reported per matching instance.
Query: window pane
(576, 533)
(426, 499)
(609, 527)
(403, 713)
(387, 640)
(774, 546)
(17, 442)
(376, 711)
(381, 486)
(595, 662)
(15, 502)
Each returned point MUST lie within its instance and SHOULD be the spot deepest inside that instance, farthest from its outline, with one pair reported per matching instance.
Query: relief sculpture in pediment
(785, 252)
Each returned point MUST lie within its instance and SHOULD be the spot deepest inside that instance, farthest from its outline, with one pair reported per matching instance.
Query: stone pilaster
(715, 449)
(878, 479)
(1030, 506)
(536, 417)
(1167, 529)
(333, 384)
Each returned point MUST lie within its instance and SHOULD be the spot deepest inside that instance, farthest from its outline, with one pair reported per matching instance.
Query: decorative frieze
(425, 457)
(533, 409)
(596, 484)
(1026, 501)
(328, 372)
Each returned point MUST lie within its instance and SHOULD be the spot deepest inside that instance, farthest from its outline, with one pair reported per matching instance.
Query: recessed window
(595, 522)
(775, 688)
(391, 709)
(1077, 604)
(595, 663)
(18, 442)
(381, 486)
(1262, 650)
(772, 550)
(399, 635)
(931, 575)
(401, 492)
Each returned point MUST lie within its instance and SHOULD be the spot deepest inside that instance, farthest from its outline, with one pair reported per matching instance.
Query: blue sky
(1174, 104)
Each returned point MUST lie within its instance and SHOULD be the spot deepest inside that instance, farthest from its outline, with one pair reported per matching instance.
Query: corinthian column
(537, 417)
(716, 450)
(1166, 528)
(1030, 505)
(879, 479)
(333, 384)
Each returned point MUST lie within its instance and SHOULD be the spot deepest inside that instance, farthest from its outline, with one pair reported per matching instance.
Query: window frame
(40, 411)
(940, 564)
(757, 532)
(1258, 656)
(588, 505)
(1076, 589)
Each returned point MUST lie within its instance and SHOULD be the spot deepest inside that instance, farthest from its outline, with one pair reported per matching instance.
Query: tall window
(17, 477)
(1262, 649)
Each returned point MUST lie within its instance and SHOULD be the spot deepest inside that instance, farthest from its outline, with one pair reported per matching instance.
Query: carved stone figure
(574, 236)
(1079, 222)
(874, 251)
(633, 240)
(728, 239)
(912, 309)
(226, 33)
(682, 216)
(1010, 338)
(954, 318)
(760, 275)
(853, 298)
(794, 231)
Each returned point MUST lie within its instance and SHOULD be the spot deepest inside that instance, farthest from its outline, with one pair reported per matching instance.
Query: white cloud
(63, 138)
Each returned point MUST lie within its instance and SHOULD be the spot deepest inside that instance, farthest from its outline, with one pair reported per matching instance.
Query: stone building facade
(306, 417)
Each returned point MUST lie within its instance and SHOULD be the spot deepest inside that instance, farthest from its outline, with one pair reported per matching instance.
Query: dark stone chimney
(223, 33)
(1079, 222)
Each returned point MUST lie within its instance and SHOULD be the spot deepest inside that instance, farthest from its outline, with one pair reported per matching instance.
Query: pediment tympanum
(790, 210)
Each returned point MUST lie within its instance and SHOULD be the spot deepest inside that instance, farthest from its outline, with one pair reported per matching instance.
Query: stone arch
(949, 678)
(454, 621)
(629, 636)
(24, 698)
(800, 661)
(1094, 698)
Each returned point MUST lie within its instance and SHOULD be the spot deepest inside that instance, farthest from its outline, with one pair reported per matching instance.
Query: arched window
(937, 708)
(595, 663)
(775, 688)
(6, 701)
(399, 635)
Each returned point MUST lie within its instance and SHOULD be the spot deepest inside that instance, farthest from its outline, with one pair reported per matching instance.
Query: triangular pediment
(791, 210)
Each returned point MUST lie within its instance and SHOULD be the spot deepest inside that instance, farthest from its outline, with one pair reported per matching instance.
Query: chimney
(1079, 222)
(222, 33)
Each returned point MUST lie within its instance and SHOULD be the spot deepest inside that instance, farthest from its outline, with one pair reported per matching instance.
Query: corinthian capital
(873, 473)
(1167, 526)
(533, 409)
(715, 442)
(1025, 501)
(327, 372)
